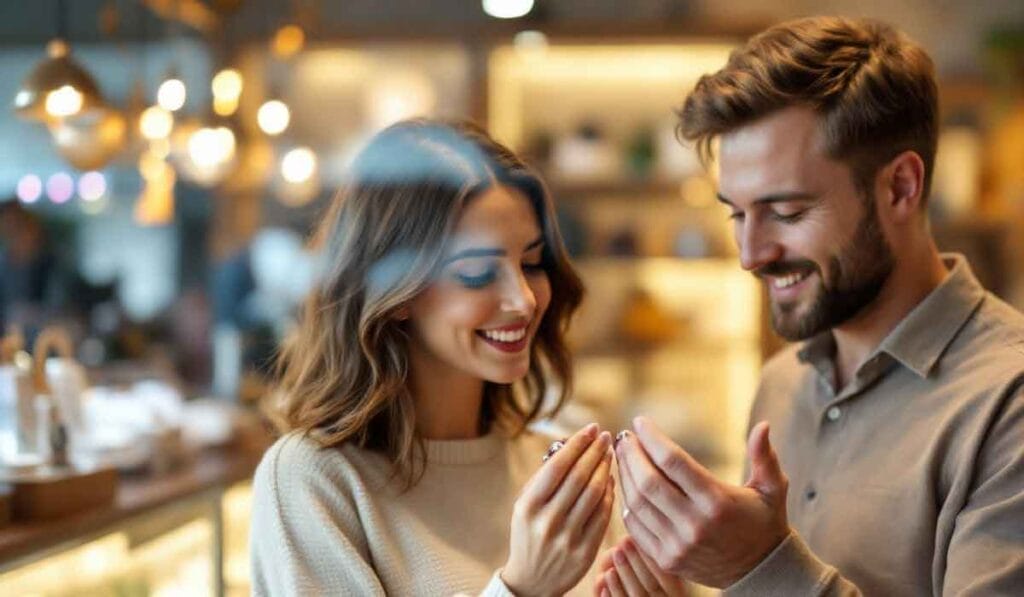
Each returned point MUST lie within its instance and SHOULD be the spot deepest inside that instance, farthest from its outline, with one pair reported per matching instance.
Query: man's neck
(910, 282)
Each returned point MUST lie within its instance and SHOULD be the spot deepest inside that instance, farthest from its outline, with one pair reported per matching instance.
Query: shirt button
(834, 413)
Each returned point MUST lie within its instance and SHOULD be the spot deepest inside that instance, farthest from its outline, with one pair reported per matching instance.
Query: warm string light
(273, 117)
(227, 89)
(171, 94)
(507, 9)
(298, 165)
(156, 122)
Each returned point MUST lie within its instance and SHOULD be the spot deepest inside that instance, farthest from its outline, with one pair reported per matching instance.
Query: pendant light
(58, 87)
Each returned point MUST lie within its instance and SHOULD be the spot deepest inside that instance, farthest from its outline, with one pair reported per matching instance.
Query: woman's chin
(508, 375)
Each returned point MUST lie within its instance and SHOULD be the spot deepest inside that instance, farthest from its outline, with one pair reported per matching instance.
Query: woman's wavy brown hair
(873, 88)
(343, 373)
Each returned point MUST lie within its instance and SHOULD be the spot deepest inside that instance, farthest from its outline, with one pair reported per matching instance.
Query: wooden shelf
(213, 469)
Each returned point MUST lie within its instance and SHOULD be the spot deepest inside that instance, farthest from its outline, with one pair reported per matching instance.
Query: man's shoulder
(991, 342)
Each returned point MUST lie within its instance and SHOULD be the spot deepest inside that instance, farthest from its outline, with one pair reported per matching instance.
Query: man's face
(801, 224)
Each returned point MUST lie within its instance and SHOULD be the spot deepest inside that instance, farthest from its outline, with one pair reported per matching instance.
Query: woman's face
(479, 316)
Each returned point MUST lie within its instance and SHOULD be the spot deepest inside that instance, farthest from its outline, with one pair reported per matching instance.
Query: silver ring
(625, 513)
(621, 436)
(555, 446)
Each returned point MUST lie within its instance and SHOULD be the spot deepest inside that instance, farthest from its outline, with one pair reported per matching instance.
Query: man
(898, 424)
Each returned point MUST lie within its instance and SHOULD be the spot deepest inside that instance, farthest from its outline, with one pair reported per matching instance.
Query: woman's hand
(561, 516)
(625, 571)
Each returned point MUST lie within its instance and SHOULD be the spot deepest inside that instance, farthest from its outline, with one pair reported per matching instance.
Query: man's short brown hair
(873, 87)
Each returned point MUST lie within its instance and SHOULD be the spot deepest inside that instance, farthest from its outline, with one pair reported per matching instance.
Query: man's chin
(792, 325)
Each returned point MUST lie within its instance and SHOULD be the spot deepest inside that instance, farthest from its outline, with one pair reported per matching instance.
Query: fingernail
(605, 438)
(590, 430)
(639, 422)
(619, 558)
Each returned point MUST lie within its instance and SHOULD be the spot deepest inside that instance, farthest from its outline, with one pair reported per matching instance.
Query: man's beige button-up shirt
(910, 480)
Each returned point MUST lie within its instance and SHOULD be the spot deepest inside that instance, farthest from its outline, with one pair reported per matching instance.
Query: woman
(428, 346)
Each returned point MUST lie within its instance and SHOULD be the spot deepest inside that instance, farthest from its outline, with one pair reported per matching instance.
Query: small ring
(625, 513)
(553, 448)
(621, 436)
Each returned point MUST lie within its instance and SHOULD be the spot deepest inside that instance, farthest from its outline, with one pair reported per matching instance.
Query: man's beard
(856, 276)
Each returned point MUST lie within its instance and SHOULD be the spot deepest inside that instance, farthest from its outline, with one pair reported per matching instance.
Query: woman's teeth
(791, 279)
(505, 336)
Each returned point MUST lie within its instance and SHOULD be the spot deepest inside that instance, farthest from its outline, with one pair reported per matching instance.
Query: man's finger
(636, 503)
(766, 474)
(673, 461)
(650, 483)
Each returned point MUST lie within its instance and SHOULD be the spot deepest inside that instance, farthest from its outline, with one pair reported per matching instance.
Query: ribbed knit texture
(334, 522)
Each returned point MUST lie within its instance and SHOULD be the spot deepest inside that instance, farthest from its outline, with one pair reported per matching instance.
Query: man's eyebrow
(776, 198)
(490, 252)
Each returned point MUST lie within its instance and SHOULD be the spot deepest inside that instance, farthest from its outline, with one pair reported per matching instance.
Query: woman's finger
(545, 481)
(592, 495)
(576, 480)
(670, 583)
(595, 528)
(644, 576)
(605, 561)
(627, 575)
(615, 588)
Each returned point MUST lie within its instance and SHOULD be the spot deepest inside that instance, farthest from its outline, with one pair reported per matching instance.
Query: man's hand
(690, 523)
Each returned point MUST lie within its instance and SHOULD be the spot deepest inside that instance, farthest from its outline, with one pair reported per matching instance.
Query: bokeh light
(171, 94)
(30, 188)
(273, 117)
(298, 165)
(156, 123)
(92, 186)
(64, 101)
(507, 9)
(60, 187)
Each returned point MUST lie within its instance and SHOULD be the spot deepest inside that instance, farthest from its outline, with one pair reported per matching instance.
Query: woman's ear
(401, 314)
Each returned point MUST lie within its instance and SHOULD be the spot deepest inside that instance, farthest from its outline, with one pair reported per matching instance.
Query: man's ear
(902, 182)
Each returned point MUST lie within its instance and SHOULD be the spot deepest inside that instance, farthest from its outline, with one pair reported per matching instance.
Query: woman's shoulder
(298, 458)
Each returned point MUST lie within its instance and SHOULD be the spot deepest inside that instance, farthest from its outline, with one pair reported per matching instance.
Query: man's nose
(757, 248)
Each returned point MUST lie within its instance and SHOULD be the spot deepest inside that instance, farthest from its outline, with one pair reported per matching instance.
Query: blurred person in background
(27, 269)
(429, 343)
(897, 466)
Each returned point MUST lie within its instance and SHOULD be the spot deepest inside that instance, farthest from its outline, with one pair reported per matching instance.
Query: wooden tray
(55, 493)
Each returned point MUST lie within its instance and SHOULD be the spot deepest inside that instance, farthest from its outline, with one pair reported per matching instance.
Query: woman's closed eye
(477, 277)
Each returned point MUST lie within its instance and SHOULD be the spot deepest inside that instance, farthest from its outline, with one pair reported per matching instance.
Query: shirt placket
(834, 415)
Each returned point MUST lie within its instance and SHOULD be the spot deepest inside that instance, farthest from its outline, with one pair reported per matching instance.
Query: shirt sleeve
(791, 570)
(305, 536)
(986, 551)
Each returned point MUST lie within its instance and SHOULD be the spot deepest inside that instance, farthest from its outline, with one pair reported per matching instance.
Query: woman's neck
(447, 401)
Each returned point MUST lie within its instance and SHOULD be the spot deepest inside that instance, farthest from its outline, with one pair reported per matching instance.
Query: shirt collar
(920, 339)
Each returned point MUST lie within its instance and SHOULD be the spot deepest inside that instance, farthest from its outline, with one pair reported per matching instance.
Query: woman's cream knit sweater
(329, 522)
